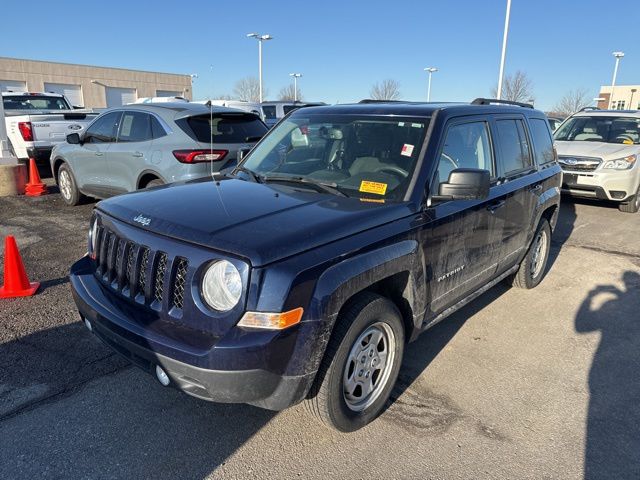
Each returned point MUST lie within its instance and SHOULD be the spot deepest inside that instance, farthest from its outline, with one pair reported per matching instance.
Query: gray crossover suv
(139, 146)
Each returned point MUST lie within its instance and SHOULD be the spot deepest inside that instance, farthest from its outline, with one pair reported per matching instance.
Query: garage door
(168, 93)
(13, 85)
(72, 92)
(116, 97)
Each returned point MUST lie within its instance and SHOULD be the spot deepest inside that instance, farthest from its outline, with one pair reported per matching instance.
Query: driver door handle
(537, 187)
(99, 154)
(138, 154)
(495, 206)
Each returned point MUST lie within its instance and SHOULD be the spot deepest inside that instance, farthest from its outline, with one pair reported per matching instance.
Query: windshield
(625, 130)
(366, 157)
(34, 102)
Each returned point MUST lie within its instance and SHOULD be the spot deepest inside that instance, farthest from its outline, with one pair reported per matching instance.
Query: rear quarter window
(226, 128)
(542, 142)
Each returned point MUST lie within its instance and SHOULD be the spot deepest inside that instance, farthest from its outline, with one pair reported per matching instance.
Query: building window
(620, 105)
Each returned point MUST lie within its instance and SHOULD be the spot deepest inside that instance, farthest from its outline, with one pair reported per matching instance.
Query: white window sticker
(416, 125)
(407, 150)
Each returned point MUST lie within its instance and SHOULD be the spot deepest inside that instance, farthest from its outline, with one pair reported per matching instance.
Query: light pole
(504, 50)
(633, 91)
(295, 76)
(430, 70)
(260, 39)
(618, 56)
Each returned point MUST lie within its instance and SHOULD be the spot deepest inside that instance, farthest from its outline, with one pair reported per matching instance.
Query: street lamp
(430, 70)
(618, 56)
(504, 50)
(295, 76)
(260, 38)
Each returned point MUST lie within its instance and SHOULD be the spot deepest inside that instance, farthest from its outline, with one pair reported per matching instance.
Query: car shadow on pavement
(566, 221)
(71, 408)
(613, 422)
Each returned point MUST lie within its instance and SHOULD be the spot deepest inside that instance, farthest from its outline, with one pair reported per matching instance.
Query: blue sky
(341, 47)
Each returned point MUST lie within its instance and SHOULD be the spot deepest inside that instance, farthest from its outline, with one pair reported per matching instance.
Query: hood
(606, 151)
(261, 222)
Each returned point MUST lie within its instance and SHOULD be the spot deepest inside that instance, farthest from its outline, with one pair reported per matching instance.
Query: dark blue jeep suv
(303, 273)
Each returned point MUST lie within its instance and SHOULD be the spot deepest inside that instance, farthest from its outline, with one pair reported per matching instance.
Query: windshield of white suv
(34, 102)
(366, 157)
(609, 129)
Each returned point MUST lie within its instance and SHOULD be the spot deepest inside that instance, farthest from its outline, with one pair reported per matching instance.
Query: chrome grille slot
(111, 257)
(102, 255)
(160, 270)
(579, 164)
(128, 269)
(142, 273)
(121, 243)
(179, 281)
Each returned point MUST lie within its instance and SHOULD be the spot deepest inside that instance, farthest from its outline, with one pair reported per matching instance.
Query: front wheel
(68, 188)
(534, 264)
(360, 366)
(632, 205)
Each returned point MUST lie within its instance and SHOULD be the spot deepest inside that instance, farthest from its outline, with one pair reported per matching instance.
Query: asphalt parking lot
(519, 384)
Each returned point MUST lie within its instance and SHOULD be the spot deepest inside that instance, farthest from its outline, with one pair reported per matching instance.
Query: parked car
(303, 273)
(146, 145)
(38, 121)
(237, 104)
(554, 122)
(274, 111)
(598, 151)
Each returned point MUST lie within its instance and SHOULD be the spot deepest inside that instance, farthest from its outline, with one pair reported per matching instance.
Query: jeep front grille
(579, 164)
(116, 262)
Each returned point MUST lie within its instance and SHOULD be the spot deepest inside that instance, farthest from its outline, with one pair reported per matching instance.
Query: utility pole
(504, 50)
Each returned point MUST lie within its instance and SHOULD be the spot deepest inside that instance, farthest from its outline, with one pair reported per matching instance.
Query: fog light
(87, 324)
(162, 376)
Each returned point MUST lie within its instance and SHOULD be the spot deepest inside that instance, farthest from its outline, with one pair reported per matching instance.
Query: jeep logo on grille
(142, 220)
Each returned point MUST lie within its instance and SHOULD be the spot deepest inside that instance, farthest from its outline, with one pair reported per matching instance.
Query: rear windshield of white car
(34, 102)
(609, 129)
(227, 128)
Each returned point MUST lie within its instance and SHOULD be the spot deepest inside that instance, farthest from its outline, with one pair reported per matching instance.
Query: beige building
(625, 97)
(89, 86)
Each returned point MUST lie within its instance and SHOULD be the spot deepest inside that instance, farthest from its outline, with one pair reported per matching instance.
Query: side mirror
(465, 184)
(73, 139)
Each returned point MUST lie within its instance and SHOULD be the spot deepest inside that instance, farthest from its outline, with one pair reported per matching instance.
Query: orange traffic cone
(35, 187)
(16, 282)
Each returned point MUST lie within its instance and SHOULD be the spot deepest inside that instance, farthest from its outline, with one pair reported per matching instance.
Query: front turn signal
(271, 321)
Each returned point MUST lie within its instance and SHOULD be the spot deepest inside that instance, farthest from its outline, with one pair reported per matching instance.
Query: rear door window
(227, 128)
(103, 130)
(514, 146)
(135, 127)
(542, 141)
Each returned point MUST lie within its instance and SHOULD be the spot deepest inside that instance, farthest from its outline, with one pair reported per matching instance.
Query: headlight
(93, 236)
(621, 163)
(222, 286)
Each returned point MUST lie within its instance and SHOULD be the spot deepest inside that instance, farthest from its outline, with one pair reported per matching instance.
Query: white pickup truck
(38, 121)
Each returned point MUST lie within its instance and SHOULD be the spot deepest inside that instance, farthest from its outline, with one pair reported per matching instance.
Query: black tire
(632, 205)
(156, 182)
(327, 400)
(68, 187)
(531, 272)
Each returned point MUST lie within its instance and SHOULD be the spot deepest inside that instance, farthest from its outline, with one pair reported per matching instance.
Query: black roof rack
(491, 101)
(371, 100)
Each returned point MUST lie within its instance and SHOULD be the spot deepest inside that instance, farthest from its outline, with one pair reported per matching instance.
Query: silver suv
(145, 145)
(598, 151)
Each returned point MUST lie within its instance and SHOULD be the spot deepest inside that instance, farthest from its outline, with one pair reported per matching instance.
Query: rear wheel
(534, 264)
(360, 366)
(632, 205)
(156, 182)
(68, 188)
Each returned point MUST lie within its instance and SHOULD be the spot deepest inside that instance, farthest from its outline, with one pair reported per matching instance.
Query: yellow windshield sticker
(373, 187)
(626, 141)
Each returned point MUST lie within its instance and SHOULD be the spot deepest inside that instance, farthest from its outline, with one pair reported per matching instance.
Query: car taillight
(26, 131)
(196, 156)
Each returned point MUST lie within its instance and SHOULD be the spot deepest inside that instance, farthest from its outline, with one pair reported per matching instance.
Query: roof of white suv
(608, 113)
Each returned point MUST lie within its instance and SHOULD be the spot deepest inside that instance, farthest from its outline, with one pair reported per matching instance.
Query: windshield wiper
(323, 186)
(254, 176)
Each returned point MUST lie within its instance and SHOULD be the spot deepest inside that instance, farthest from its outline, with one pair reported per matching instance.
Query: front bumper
(617, 186)
(255, 386)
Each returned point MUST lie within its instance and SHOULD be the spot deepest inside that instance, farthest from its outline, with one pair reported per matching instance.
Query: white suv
(599, 152)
